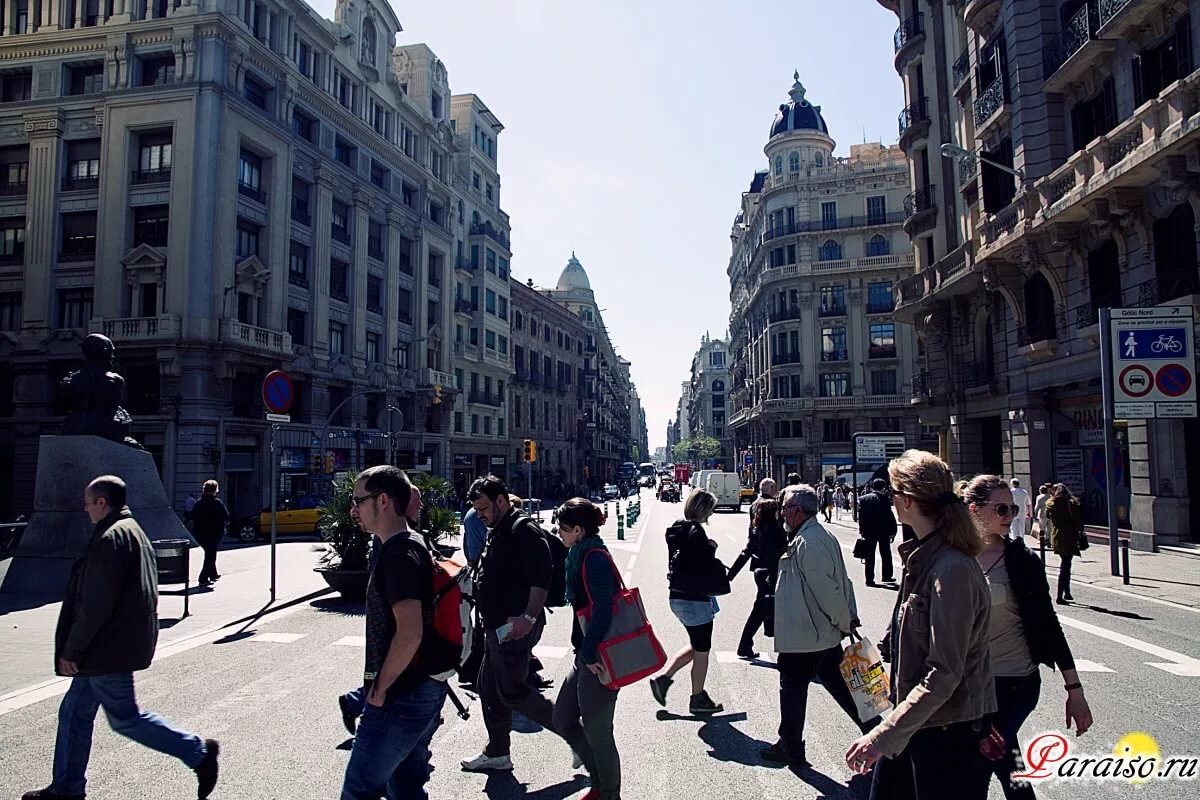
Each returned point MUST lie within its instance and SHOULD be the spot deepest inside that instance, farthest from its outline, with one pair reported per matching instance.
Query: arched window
(794, 162)
(1175, 256)
(368, 43)
(1104, 280)
(819, 159)
(474, 217)
(878, 246)
(830, 251)
(778, 165)
(1039, 309)
(718, 386)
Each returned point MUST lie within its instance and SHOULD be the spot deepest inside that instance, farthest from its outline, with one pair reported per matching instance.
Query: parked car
(668, 492)
(296, 515)
(611, 492)
(748, 494)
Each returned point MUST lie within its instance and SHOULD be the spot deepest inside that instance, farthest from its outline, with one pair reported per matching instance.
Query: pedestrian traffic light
(437, 394)
(530, 451)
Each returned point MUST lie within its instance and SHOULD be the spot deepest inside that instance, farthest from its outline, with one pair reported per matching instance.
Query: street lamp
(951, 150)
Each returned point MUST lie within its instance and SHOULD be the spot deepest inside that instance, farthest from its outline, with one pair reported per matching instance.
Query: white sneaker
(484, 763)
(576, 761)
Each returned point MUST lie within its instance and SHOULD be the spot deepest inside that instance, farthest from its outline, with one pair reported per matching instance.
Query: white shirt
(1021, 500)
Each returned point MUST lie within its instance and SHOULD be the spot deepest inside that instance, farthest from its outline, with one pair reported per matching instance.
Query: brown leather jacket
(941, 664)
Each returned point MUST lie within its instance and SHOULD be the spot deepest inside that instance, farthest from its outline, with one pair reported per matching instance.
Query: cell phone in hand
(503, 631)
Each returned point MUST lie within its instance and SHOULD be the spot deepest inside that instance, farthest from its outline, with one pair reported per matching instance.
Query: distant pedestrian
(793, 479)
(210, 521)
(390, 756)
(695, 576)
(827, 501)
(585, 707)
(1021, 514)
(930, 745)
(767, 544)
(814, 611)
(1066, 530)
(1024, 630)
(189, 503)
(107, 630)
(474, 536)
(1039, 513)
(877, 524)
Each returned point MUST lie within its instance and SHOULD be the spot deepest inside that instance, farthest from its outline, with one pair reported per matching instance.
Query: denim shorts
(694, 612)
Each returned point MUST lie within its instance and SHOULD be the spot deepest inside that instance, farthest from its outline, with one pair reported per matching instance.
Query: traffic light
(437, 394)
(586, 473)
(329, 463)
(530, 451)
(315, 463)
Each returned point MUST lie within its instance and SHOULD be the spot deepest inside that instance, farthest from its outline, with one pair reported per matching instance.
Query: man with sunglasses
(391, 754)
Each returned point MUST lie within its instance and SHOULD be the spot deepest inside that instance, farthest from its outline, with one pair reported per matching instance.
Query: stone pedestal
(59, 528)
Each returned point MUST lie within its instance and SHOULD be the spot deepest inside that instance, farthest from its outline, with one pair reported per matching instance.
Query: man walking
(814, 611)
(107, 630)
(511, 595)
(403, 703)
(210, 519)
(877, 524)
(1020, 521)
(752, 553)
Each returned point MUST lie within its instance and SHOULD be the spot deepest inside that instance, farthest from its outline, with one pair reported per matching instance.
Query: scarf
(575, 558)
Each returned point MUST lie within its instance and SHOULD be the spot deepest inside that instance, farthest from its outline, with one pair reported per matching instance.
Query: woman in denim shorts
(696, 576)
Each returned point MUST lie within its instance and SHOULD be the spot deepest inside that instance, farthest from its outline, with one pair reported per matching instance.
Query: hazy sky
(633, 126)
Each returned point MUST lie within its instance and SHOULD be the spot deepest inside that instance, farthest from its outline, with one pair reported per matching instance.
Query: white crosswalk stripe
(280, 638)
(1083, 665)
(549, 651)
(351, 641)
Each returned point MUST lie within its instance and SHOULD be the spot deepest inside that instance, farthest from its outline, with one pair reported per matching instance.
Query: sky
(633, 126)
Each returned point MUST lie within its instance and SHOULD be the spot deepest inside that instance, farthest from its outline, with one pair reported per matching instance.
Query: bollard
(1125, 561)
(620, 526)
(1042, 547)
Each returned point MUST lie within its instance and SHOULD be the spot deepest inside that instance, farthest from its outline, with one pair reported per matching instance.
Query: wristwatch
(529, 619)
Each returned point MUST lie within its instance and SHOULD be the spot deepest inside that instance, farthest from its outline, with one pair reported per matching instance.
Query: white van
(700, 479)
(727, 488)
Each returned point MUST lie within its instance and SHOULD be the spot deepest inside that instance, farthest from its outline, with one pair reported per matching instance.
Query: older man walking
(107, 630)
(814, 611)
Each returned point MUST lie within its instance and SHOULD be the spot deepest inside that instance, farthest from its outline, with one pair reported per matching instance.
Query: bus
(646, 471)
(627, 472)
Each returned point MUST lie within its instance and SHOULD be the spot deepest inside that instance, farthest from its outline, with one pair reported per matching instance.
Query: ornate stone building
(817, 247)
(225, 188)
(1094, 106)
(708, 398)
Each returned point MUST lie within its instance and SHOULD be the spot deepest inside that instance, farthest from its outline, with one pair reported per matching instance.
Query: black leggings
(700, 636)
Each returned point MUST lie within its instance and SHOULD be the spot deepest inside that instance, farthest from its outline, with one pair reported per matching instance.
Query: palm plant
(348, 544)
(438, 518)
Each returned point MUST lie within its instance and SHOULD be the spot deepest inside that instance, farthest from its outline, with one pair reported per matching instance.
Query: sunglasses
(358, 501)
(1001, 509)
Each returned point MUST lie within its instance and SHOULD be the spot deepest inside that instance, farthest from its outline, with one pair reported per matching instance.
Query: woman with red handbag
(584, 702)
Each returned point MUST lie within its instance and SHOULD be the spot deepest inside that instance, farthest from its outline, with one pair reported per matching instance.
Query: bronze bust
(95, 393)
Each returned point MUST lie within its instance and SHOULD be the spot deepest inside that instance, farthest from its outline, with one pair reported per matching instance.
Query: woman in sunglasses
(1024, 631)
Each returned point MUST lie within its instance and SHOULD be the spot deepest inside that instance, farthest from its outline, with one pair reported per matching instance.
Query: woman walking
(1024, 630)
(696, 576)
(767, 545)
(1039, 512)
(929, 747)
(585, 705)
(1066, 531)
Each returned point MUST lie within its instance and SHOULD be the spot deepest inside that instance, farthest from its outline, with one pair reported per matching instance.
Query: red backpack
(449, 620)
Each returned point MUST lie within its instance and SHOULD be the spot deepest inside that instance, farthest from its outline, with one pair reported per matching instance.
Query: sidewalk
(1174, 577)
(27, 633)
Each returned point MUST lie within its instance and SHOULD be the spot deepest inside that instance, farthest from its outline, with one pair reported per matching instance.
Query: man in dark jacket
(107, 630)
(210, 519)
(877, 524)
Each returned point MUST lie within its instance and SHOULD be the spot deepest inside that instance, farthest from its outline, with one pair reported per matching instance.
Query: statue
(95, 394)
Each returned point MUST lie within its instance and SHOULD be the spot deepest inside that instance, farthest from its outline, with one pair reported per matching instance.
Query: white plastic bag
(866, 677)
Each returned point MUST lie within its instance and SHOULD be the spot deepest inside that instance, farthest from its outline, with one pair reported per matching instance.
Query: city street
(268, 691)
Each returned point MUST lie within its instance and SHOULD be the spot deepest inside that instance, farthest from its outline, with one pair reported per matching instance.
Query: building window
(487, 426)
(372, 348)
(402, 355)
(778, 166)
(298, 265)
(883, 382)
(374, 294)
(297, 325)
(22, 8)
(793, 161)
(83, 164)
(375, 247)
(408, 195)
(405, 255)
(339, 225)
(877, 210)
(337, 339)
(150, 225)
(1094, 116)
(158, 69)
(404, 306)
(256, 93)
(339, 272)
(880, 298)
(716, 359)
(829, 217)
(437, 213)
(835, 430)
(12, 240)
(14, 170)
(833, 344)
(436, 267)
(1158, 67)
(78, 236)
(474, 423)
(833, 301)
(16, 85)
(458, 422)
(489, 303)
(489, 339)
(10, 311)
(304, 126)
(503, 345)
(247, 239)
(250, 176)
(435, 105)
(503, 268)
(85, 78)
(878, 246)
(74, 308)
(345, 152)
(154, 153)
(367, 51)
(885, 425)
(830, 251)
(883, 340)
(379, 175)
(301, 194)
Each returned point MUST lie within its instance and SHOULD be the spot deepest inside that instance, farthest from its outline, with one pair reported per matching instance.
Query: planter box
(351, 584)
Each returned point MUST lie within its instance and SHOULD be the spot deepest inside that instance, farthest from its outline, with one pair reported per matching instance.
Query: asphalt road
(269, 694)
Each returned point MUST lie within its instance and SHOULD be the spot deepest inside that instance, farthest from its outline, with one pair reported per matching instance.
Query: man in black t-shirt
(403, 702)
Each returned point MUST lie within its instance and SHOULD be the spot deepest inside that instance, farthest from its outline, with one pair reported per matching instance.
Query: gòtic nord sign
(1154, 362)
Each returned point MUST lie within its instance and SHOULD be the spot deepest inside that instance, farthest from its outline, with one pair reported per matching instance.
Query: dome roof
(573, 276)
(799, 114)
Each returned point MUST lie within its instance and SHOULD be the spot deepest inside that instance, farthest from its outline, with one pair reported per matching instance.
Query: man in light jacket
(814, 612)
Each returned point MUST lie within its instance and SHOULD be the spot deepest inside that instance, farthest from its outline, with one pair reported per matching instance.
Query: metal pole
(1125, 561)
(274, 503)
(1110, 435)
(529, 479)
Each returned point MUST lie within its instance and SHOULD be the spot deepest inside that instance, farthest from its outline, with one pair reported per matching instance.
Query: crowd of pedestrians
(970, 630)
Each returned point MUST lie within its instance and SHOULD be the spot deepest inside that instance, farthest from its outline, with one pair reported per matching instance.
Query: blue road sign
(1158, 343)
(748, 459)
(278, 392)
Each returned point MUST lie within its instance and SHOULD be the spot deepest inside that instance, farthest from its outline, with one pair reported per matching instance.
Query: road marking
(549, 651)
(1184, 666)
(277, 638)
(731, 657)
(351, 641)
(1083, 665)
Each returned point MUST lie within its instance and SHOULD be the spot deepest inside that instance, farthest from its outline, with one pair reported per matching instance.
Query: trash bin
(173, 568)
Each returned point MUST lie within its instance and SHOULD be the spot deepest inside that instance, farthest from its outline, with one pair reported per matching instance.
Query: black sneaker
(50, 794)
(659, 687)
(206, 770)
(349, 713)
(748, 654)
(703, 704)
(778, 753)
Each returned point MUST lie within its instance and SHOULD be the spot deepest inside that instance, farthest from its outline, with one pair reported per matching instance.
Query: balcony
(1163, 289)
(485, 399)
(920, 209)
(253, 192)
(991, 107)
(79, 249)
(949, 277)
(375, 250)
(909, 39)
(1074, 51)
(138, 330)
(490, 231)
(785, 359)
(976, 375)
(432, 377)
(465, 264)
(832, 310)
(961, 71)
(835, 356)
(301, 214)
(78, 184)
(1118, 18)
(881, 307)
(261, 340)
(913, 123)
(783, 315)
(979, 14)
(968, 171)
(922, 388)
(465, 307)
(1037, 343)
(339, 234)
(146, 177)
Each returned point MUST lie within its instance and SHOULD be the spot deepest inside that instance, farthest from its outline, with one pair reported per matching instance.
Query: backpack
(556, 595)
(449, 621)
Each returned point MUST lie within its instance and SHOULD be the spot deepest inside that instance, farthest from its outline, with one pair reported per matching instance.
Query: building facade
(227, 188)
(817, 247)
(1092, 105)
(547, 391)
(708, 397)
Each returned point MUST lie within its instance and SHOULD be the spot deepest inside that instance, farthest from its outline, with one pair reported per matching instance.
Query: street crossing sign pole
(1110, 434)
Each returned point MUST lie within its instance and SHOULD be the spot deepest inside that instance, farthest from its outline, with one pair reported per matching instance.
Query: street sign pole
(1110, 435)
(274, 502)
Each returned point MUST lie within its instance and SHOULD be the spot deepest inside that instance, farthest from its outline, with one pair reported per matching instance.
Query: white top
(1021, 499)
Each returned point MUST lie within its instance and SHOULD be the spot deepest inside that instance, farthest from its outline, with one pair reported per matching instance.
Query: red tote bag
(630, 650)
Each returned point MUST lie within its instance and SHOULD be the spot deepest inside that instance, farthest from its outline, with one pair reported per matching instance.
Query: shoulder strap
(611, 563)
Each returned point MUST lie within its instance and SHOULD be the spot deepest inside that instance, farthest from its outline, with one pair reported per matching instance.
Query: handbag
(862, 549)
(867, 680)
(630, 651)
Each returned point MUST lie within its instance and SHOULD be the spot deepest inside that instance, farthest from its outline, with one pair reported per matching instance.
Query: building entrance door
(991, 445)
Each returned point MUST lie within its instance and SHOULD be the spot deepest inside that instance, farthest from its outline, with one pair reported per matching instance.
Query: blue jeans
(113, 693)
(391, 750)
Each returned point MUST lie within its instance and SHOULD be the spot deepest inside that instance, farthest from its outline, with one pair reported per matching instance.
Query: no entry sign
(278, 392)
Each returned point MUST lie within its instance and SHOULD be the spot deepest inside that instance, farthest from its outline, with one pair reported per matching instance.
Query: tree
(702, 447)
